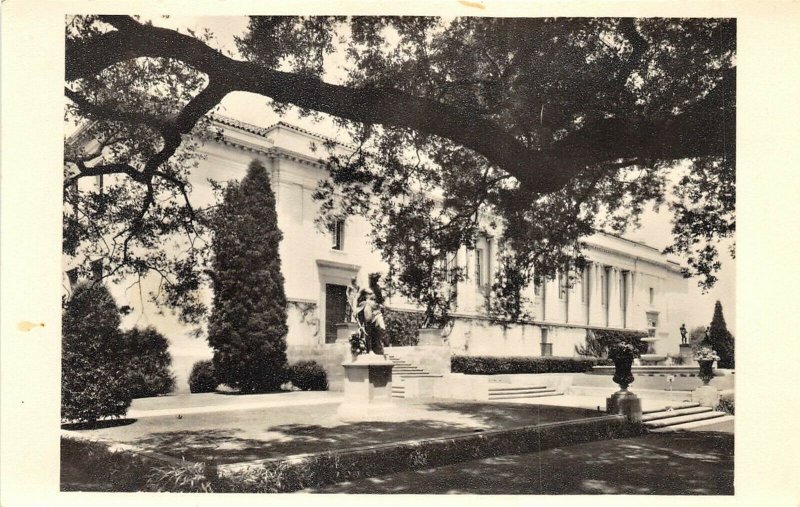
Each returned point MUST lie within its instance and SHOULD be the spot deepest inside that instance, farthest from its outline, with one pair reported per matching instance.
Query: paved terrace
(228, 428)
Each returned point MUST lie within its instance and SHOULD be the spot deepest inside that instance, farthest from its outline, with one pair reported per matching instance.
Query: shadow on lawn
(97, 425)
(227, 446)
(683, 463)
(232, 445)
(514, 414)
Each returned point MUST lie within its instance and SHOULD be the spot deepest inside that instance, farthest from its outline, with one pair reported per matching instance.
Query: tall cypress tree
(247, 328)
(720, 339)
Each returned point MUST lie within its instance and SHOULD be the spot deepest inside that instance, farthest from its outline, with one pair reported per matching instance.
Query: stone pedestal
(344, 330)
(430, 336)
(625, 403)
(367, 389)
(707, 396)
(686, 353)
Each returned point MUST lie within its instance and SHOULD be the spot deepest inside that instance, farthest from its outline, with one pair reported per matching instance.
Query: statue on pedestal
(683, 334)
(372, 328)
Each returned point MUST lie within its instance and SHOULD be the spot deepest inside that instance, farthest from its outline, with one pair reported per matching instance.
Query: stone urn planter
(706, 370)
(622, 372)
(624, 402)
(705, 357)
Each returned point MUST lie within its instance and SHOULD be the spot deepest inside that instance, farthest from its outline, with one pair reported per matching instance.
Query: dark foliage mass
(202, 378)
(720, 339)
(308, 376)
(535, 132)
(247, 327)
(598, 341)
(148, 363)
(94, 381)
(491, 365)
(403, 327)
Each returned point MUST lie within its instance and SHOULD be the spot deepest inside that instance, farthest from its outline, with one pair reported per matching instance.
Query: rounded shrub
(149, 362)
(202, 379)
(93, 360)
(308, 376)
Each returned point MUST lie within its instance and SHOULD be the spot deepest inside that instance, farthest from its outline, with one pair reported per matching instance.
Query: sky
(655, 227)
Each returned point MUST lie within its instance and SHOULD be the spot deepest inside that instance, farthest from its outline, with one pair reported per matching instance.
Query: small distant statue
(352, 300)
(683, 335)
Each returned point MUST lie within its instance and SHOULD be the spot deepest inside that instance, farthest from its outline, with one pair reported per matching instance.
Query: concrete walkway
(201, 403)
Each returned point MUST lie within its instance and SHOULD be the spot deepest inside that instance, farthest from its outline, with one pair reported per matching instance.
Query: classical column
(628, 298)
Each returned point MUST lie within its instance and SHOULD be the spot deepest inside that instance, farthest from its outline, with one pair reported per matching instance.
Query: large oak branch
(706, 128)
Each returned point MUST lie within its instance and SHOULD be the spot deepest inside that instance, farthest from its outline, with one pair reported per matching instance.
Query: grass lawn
(275, 431)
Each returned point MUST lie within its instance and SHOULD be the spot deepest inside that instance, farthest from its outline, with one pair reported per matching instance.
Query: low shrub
(490, 365)
(308, 376)
(403, 327)
(726, 404)
(91, 466)
(187, 477)
(202, 378)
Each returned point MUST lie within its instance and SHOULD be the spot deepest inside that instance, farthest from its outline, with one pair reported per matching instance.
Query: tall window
(562, 286)
(479, 267)
(652, 295)
(546, 346)
(337, 233)
(537, 289)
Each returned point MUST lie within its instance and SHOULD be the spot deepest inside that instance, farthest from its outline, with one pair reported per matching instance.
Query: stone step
(526, 391)
(674, 413)
(515, 388)
(540, 394)
(673, 421)
(693, 424)
(417, 375)
(676, 407)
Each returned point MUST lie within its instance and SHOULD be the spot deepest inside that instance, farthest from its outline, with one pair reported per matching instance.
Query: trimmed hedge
(308, 376)
(490, 365)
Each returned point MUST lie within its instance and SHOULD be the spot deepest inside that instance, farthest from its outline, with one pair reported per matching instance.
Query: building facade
(627, 285)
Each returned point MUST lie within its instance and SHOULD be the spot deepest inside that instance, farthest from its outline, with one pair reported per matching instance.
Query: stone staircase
(402, 370)
(516, 392)
(682, 416)
(398, 391)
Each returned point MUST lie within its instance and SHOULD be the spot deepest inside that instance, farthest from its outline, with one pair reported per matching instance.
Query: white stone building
(628, 285)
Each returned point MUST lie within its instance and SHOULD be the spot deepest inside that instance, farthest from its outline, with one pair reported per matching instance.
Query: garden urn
(706, 370)
(622, 371)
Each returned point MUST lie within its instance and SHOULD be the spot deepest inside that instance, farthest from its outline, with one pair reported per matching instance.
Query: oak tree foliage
(534, 131)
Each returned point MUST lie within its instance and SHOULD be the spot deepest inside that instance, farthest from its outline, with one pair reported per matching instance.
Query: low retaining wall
(655, 377)
(431, 358)
(314, 470)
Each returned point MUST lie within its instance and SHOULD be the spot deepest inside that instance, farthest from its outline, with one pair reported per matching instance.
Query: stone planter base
(367, 389)
(344, 330)
(707, 396)
(625, 403)
(430, 336)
